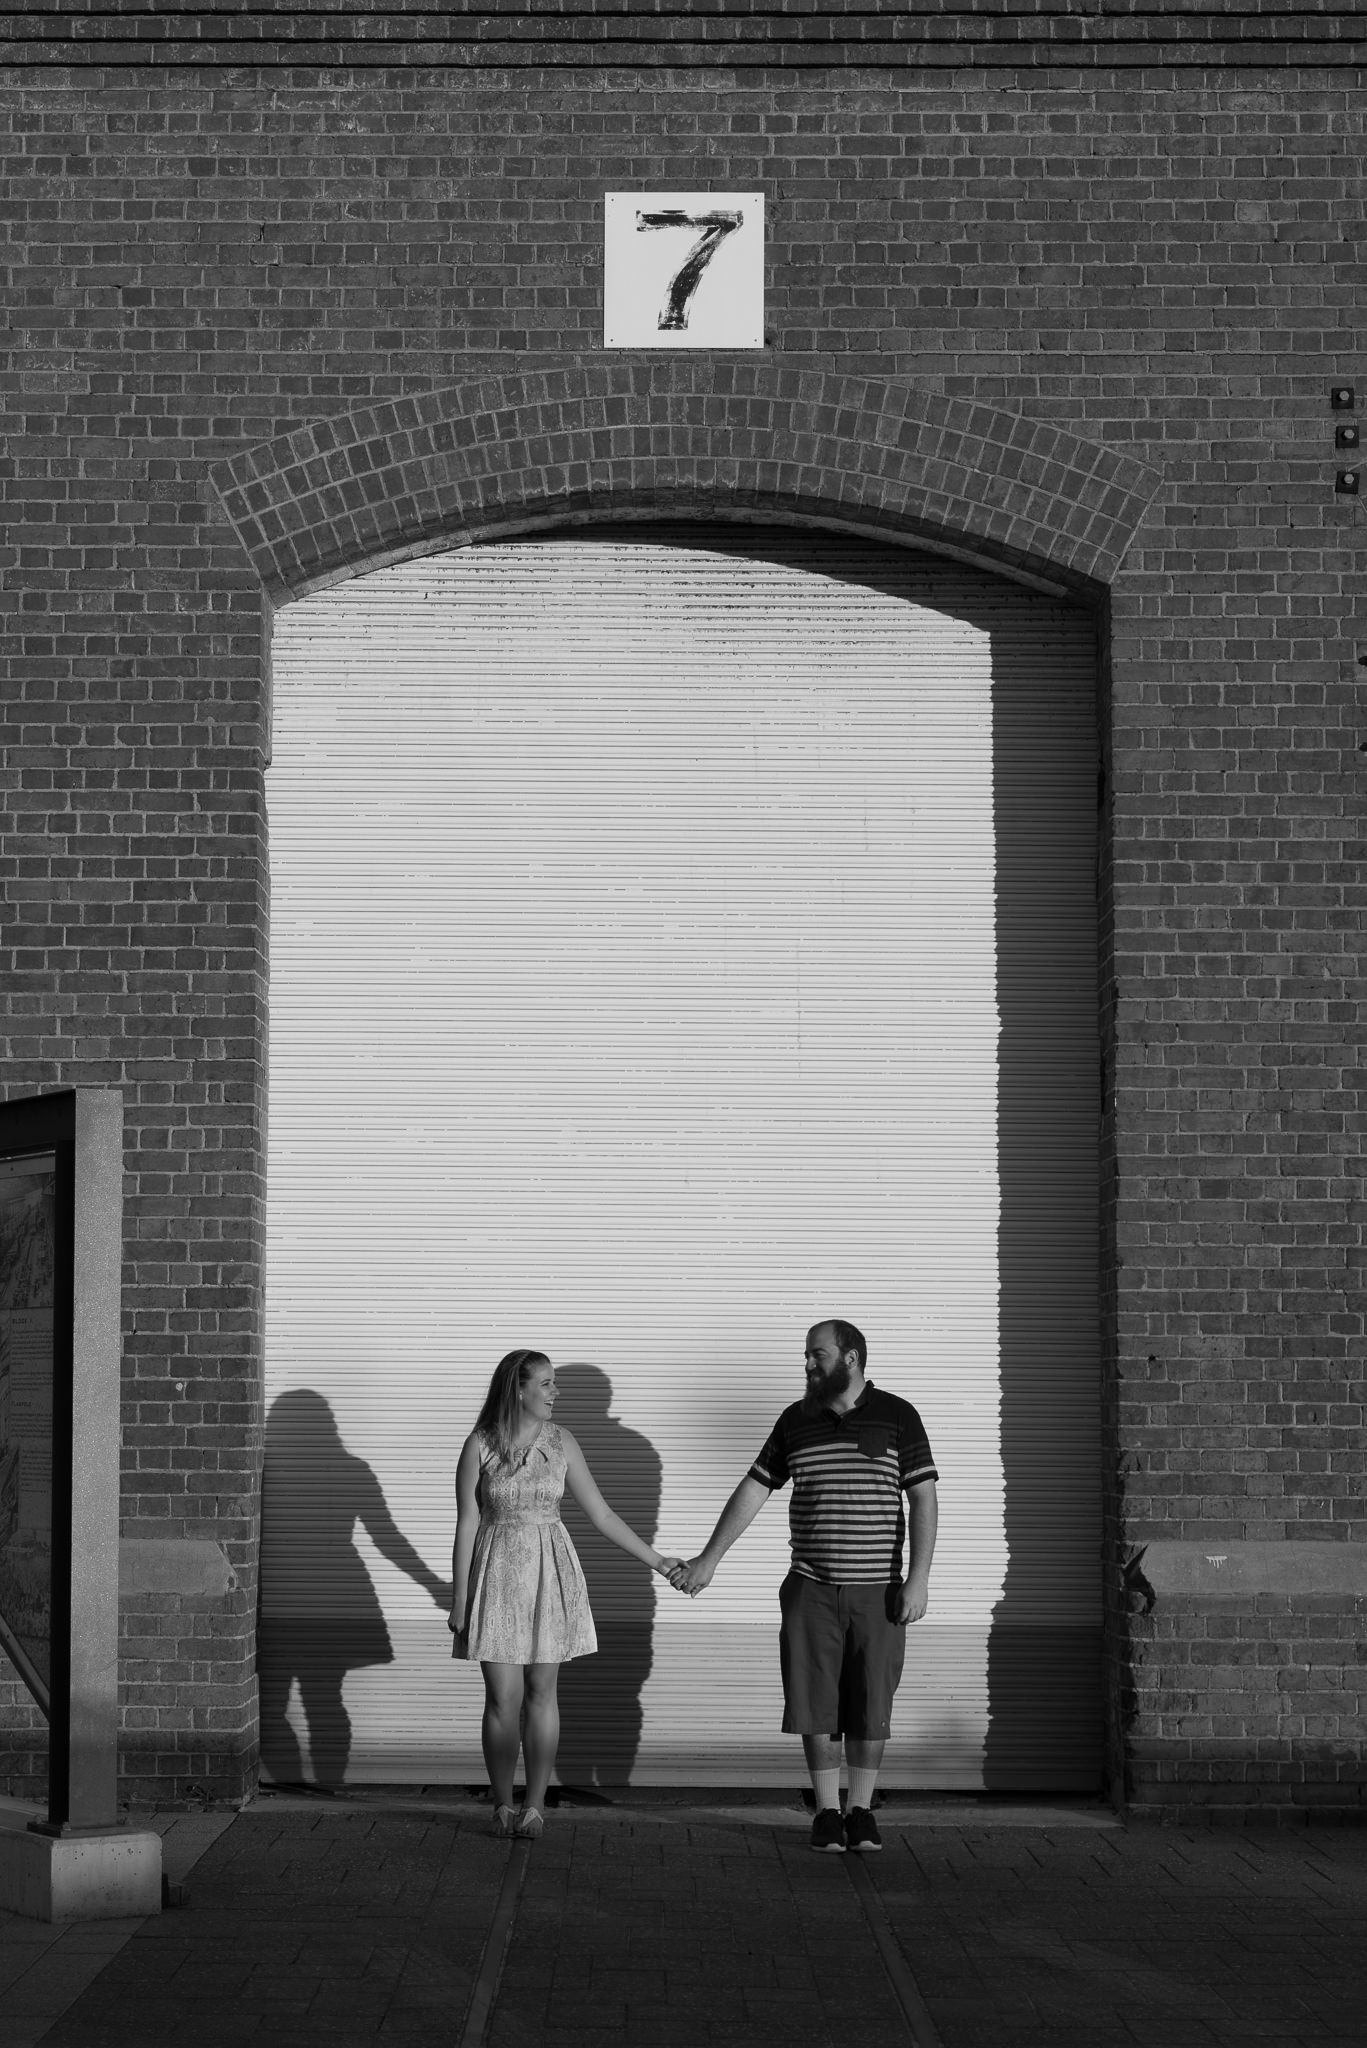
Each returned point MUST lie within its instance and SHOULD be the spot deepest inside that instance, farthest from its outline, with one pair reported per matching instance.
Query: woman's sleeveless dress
(528, 1600)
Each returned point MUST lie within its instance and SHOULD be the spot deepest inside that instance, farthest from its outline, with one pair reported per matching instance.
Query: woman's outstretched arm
(585, 1491)
(467, 1527)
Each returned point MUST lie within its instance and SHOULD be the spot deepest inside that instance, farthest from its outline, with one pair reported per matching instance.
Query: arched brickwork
(502, 453)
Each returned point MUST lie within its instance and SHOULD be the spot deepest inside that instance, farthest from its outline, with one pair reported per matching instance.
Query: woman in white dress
(519, 1603)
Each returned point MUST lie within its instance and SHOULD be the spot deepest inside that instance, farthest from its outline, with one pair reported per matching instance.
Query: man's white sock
(862, 1785)
(826, 1786)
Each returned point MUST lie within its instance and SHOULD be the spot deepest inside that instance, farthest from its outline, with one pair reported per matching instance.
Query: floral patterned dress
(528, 1601)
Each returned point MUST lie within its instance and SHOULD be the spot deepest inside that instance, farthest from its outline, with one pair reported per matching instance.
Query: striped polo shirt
(848, 1472)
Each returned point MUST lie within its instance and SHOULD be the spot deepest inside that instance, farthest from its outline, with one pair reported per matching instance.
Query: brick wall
(1163, 264)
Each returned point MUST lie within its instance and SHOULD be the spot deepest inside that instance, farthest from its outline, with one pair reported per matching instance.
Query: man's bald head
(845, 1338)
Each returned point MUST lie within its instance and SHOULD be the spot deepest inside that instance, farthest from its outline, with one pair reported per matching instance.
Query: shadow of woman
(600, 1697)
(319, 1614)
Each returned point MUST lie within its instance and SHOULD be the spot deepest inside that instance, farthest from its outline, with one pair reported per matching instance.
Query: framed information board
(61, 1249)
(28, 1377)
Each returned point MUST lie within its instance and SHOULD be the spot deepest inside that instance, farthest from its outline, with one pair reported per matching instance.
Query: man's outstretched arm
(735, 1518)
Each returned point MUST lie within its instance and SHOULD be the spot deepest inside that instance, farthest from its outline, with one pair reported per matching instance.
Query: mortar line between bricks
(497, 1942)
(920, 2025)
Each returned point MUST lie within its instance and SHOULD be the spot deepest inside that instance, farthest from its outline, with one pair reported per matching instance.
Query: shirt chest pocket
(875, 1440)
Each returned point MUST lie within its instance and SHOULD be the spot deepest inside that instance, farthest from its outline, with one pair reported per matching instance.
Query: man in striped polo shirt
(851, 1451)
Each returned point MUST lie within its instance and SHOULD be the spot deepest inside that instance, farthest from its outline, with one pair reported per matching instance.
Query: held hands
(685, 1575)
(694, 1576)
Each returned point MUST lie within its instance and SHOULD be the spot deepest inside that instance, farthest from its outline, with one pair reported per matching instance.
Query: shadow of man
(1044, 1679)
(600, 1697)
(319, 1614)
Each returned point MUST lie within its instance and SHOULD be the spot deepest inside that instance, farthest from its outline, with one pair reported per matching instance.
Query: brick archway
(502, 453)
(505, 452)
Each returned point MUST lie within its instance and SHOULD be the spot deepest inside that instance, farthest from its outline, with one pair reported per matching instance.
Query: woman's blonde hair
(498, 1417)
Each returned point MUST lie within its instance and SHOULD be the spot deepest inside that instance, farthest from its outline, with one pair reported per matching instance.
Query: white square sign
(683, 270)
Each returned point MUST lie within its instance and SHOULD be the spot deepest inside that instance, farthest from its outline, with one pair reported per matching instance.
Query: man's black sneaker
(828, 1831)
(861, 1829)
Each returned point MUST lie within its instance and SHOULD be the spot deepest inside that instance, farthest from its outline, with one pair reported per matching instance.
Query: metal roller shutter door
(678, 935)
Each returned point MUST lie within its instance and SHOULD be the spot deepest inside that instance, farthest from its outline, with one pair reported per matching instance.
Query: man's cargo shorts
(841, 1654)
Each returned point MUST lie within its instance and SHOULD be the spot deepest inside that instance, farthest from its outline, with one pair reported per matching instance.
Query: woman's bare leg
(540, 1729)
(500, 1730)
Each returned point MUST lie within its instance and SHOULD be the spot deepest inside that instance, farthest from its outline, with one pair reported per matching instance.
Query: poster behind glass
(27, 1246)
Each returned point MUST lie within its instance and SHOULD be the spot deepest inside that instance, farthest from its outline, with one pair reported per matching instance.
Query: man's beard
(828, 1388)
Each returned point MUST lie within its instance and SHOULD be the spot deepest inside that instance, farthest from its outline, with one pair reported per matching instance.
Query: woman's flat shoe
(529, 1824)
(505, 1820)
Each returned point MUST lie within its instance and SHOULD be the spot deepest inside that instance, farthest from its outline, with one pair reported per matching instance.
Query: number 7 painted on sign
(683, 270)
(688, 276)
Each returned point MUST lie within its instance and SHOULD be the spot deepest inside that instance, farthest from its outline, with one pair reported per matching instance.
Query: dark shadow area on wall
(319, 1615)
(1044, 1679)
(600, 1697)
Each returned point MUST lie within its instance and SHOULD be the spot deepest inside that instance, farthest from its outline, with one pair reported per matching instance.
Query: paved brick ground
(1146, 1935)
(678, 1933)
(650, 1927)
